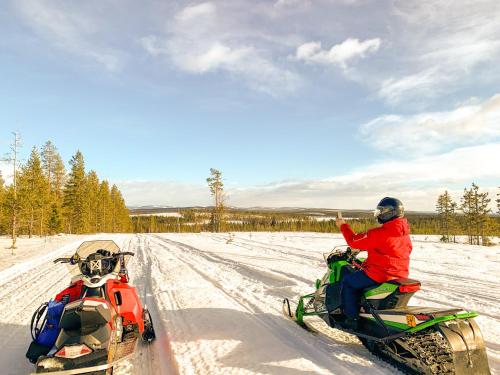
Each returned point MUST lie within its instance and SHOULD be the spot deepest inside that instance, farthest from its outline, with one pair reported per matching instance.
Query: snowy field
(216, 300)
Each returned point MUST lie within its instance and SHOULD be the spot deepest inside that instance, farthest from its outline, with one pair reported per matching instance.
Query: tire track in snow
(252, 245)
(347, 346)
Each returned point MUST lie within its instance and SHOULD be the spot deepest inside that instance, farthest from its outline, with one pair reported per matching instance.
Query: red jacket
(388, 246)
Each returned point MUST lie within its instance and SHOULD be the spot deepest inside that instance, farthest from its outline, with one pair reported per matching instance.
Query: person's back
(388, 247)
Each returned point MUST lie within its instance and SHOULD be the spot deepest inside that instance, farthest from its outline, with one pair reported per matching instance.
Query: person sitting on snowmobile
(388, 246)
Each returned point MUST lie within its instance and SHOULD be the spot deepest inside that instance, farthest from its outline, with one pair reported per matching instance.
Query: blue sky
(327, 103)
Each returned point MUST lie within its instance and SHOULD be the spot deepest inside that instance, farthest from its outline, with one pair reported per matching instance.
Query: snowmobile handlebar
(62, 260)
(75, 259)
(348, 255)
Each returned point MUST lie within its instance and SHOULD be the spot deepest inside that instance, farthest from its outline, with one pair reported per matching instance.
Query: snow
(216, 300)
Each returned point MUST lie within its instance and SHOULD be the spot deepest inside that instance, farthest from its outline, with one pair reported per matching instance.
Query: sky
(311, 103)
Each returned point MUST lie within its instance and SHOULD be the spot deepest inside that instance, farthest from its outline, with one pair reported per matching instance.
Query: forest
(44, 198)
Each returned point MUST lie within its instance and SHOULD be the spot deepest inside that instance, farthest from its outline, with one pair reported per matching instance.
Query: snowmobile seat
(406, 285)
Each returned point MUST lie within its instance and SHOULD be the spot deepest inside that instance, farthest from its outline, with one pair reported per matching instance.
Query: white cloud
(442, 46)
(300, 4)
(70, 30)
(435, 131)
(170, 193)
(218, 56)
(339, 54)
(193, 12)
(199, 41)
(427, 84)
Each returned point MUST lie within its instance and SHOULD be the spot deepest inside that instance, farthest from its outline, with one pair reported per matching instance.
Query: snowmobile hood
(398, 227)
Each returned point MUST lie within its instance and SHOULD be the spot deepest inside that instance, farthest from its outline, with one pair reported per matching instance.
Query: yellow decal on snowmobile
(410, 320)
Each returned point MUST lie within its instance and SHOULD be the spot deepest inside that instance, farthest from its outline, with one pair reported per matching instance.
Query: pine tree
(216, 187)
(475, 209)
(48, 156)
(120, 214)
(446, 208)
(34, 198)
(58, 179)
(75, 206)
(55, 224)
(55, 171)
(104, 207)
(92, 196)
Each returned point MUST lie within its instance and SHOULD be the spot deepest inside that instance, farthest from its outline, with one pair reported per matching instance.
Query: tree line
(472, 217)
(45, 199)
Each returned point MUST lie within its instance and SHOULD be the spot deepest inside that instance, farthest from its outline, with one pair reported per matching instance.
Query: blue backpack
(50, 330)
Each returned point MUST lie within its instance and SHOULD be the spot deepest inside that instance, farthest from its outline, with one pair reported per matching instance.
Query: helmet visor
(380, 210)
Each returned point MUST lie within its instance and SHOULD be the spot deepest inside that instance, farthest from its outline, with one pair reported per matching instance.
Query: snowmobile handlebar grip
(62, 260)
(125, 253)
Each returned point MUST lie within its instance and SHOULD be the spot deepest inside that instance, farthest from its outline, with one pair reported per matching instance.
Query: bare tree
(13, 158)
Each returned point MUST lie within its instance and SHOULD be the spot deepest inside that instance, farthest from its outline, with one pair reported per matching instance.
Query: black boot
(350, 324)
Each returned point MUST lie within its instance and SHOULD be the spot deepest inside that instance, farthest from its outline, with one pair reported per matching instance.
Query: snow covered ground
(216, 300)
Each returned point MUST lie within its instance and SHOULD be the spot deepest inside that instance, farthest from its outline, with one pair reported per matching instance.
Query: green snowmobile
(417, 340)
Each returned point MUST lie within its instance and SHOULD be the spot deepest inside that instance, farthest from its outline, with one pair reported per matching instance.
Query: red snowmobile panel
(74, 291)
(125, 300)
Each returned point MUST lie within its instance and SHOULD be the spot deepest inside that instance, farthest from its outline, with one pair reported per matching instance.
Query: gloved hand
(74, 259)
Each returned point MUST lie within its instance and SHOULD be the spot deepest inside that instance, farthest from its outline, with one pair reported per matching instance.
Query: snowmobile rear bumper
(54, 366)
(467, 345)
(82, 370)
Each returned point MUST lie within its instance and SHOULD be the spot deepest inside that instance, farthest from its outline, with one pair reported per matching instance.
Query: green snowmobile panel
(380, 291)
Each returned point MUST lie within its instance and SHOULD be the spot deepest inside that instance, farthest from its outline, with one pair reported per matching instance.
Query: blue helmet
(389, 209)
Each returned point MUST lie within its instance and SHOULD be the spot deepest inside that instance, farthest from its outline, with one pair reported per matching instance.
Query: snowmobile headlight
(73, 351)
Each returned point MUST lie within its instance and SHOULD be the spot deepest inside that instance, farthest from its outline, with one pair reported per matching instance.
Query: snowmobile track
(289, 334)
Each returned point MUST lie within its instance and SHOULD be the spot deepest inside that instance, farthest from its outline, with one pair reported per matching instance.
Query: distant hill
(319, 212)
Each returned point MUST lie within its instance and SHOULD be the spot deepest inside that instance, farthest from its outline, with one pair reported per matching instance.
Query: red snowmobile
(96, 321)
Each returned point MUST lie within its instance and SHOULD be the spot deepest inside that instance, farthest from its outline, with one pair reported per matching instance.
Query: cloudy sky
(318, 103)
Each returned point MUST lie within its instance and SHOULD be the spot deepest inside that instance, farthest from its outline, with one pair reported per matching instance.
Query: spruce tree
(75, 206)
(121, 216)
(48, 156)
(34, 198)
(446, 208)
(92, 196)
(475, 209)
(55, 224)
(104, 207)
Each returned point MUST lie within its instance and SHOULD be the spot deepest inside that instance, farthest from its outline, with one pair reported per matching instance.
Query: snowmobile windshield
(97, 249)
